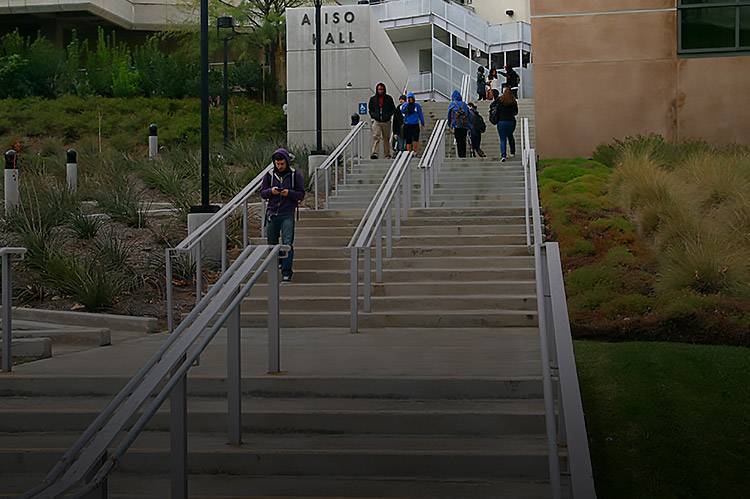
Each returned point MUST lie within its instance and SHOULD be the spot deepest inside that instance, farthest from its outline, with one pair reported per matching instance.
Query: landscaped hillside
(655, 244)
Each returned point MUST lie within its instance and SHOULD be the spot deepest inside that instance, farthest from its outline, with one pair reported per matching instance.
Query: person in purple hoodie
(283, 188)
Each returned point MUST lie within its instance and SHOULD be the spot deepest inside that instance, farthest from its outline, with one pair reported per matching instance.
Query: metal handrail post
(425, 195)
(234, 376)
(7, 329)
(379, 253)
(336, 174)
(388, 233)
(327, 174)
(409, 187)
(353, 291)
(367, 271)
(315, 181)
(223, 238)
(245, 225)
(170, 291)
(198, 273)
(274, 350)
(178, 449)
(397, 211)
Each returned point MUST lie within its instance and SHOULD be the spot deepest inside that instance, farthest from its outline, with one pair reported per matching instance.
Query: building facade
(605, 70)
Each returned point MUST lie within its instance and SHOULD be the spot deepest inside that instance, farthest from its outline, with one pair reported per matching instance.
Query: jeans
(282, 225)
(505, 129)
(460, 135)
(476, 141)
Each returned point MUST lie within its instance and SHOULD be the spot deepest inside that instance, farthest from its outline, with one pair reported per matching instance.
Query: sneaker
(286, 278)
(512, 155)
(502, 160)
(374, 156)
(481, 153)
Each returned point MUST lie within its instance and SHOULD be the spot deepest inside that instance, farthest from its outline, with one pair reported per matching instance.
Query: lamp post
(225, 23)
(318, 80)
(205, 160)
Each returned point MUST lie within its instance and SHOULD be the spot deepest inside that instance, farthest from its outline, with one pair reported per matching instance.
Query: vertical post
(336, 174)
(245, 225)
(11, 181)
(353, 292)
(170, 311)
(327, 174)
(274, 351)
(7, 329)
(367, 270)
(379, 253)
(234, 376)
(198, 274)
(178, 439)
(315, 179)
(205, 159)
(425, 176)
(153, 141)
(388, 233)
(225, 96)
(407, 190)
(397, 211)
(71, 169)
(318, 79)
(223, 238)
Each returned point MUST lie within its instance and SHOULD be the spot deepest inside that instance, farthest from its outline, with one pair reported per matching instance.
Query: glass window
(714, 25)
(513, 58)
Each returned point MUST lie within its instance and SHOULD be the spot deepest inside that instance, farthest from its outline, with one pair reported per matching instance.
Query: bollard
(153, 141)
(71, 167)
(11, 181)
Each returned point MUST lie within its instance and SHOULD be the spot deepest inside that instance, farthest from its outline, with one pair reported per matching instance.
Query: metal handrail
(193, 243)
(465, 81)
(391, 202)
(432, 161)
(87, 463)
(349, 148)
(572, 422)
(525, 151)
(5, 254)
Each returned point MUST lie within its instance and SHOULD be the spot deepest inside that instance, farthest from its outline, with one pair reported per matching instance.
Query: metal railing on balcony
(342, 159)
(6, 284)
(388, 207)
(86, 465)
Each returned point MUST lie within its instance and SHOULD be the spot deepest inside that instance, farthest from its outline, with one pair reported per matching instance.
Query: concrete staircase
(434, 111)
(439, 396)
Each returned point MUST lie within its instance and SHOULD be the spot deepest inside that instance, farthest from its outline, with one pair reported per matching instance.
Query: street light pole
(318, 79)
(205, 160)
(225, 97)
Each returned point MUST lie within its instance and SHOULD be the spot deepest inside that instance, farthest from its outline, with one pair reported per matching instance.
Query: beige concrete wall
(606, 70)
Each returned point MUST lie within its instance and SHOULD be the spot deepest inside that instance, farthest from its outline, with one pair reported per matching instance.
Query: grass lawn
(667, 419)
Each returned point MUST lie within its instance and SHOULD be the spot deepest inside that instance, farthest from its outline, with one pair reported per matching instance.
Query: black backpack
(479, 124)
(495, 112)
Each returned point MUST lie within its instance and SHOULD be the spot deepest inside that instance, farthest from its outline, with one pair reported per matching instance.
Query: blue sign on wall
(363, 108)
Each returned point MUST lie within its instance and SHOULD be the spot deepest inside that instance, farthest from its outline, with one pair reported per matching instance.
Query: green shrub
(123, 203)
(85, 226)
(96, 287)
(113, 253)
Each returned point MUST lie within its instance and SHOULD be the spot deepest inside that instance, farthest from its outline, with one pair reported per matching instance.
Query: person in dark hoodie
(283, 188)
(398, 125)
(459, 119)
(381, 111)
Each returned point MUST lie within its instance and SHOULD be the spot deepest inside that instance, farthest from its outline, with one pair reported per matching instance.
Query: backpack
(495, 112)
(479, 124)
(461, 118)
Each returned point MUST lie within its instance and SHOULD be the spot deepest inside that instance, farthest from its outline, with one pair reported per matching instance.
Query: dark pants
(460, 134)
(282, 225)
(482, 93)
(505, 129)
(476, 141)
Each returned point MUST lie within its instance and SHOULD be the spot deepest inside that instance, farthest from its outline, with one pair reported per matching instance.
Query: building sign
(345, 36)
(363, 108)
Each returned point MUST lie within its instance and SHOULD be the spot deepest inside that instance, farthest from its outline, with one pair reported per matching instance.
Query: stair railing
(567, 431)
(525, 152)
(193, 244)
(7, 288)
(389, 206)
(85, 466)
(342, 158)
(432, 161)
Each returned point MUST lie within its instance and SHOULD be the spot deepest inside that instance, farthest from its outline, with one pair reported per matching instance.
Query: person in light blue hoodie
(459, 119)
(413, 117)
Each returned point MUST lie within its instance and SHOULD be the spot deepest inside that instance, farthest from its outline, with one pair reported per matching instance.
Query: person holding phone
(284, 189)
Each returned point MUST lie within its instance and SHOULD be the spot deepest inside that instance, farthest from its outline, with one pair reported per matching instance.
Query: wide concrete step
(464, 456)
(398, 303)
(302, 232)
(403, 251)
(395, 319)
(327, 215)
(299, 414)
(458, 203)
(204, 486)
(419, 274)
(423, 220)
(400, 289)
(483, 262)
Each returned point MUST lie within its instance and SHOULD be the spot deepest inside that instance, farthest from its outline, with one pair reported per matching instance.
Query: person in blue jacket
(283, 188)
(413, 117)
(459, 119)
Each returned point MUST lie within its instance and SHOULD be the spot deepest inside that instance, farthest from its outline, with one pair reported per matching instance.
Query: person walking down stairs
(503, 111)
(477, 129)
(284, 189)
(398, 126)
(413, 117)
(459, 120)
(381, 111)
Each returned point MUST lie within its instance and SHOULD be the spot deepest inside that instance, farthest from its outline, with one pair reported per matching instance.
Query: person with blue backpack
(413, 117)
(283, 188)
(459, 119)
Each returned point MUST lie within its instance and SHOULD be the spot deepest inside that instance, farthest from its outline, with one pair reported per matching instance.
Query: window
(707, 26)
(425, 61)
